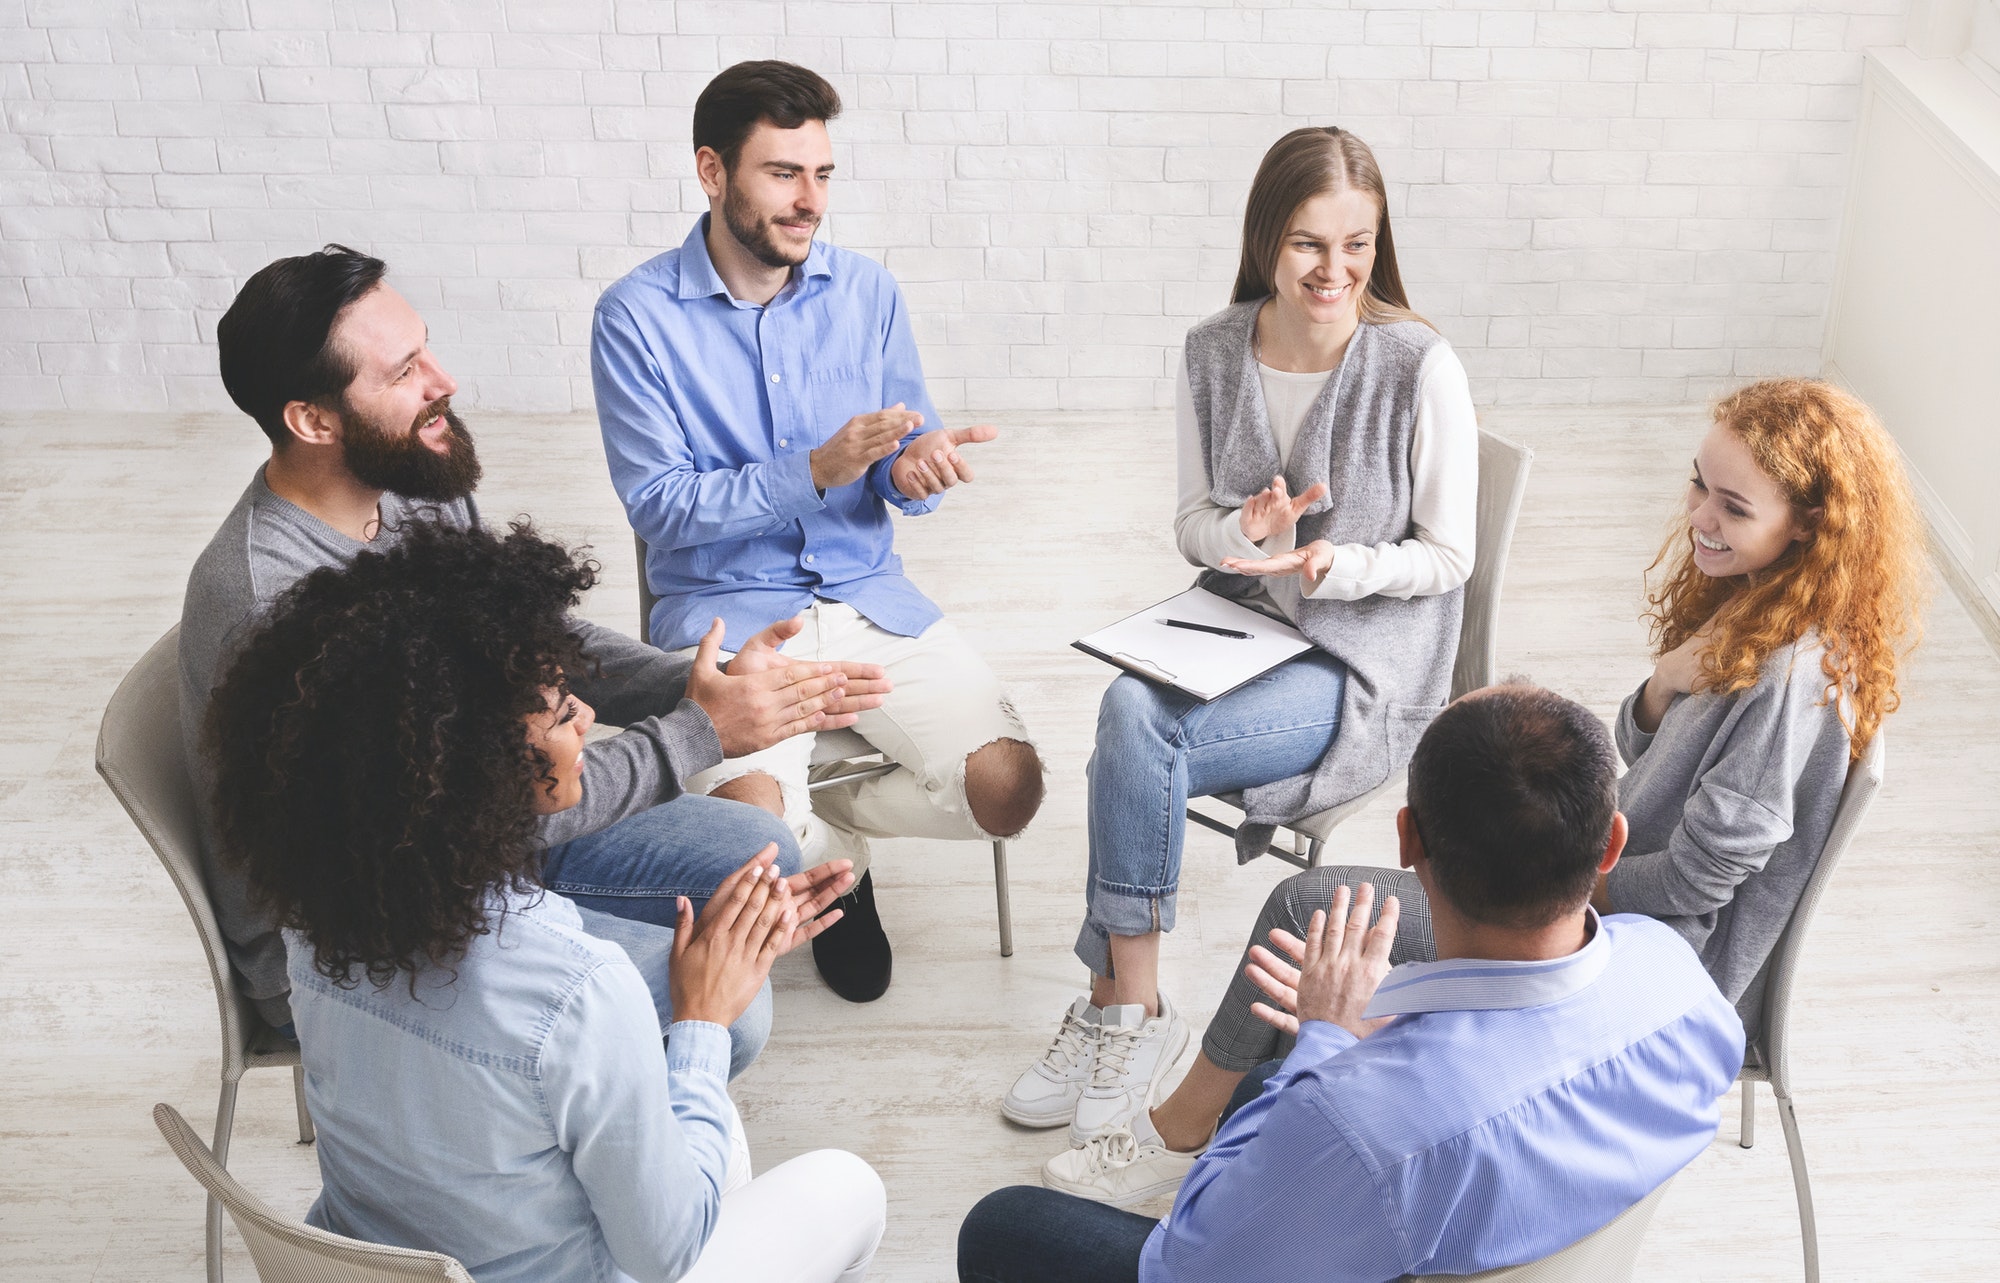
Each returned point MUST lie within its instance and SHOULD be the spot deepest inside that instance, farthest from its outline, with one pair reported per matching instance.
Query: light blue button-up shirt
(1513, 1108)
(710, 408)
(518, 1111)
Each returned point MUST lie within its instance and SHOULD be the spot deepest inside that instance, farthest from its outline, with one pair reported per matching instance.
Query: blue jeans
(628, 878)
(1026, 1234)
(1156, 748)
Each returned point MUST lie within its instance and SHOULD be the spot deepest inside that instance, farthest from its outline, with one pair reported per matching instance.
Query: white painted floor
(106, 1005)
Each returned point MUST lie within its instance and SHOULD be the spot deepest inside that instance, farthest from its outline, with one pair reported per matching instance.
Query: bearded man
(764, 411)
(336, 368)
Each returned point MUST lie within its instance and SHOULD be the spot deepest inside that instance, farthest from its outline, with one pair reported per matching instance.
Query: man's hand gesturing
(1344, 962)
(931, 464)
(755, 709)
(865, 438)
(866, 685)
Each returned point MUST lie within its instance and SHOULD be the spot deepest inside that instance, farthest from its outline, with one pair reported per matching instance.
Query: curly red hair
(1858, 580)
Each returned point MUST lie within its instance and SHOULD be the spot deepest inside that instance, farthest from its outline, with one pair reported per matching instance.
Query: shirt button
(774, 378)
(782, 443)
(809, 559)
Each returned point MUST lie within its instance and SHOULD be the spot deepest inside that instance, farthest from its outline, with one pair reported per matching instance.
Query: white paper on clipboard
(1202, 665)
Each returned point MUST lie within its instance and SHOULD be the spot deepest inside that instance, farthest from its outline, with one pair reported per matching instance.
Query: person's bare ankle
(1177, 1137)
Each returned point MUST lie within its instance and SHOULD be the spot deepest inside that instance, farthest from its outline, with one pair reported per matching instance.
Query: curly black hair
(373, 776)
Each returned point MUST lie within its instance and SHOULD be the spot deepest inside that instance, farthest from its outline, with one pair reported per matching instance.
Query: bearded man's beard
(753, 233)
(398, 460)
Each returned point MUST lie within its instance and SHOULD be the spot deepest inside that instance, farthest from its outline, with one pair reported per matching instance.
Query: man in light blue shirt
(764, 411)
(1546, 1073)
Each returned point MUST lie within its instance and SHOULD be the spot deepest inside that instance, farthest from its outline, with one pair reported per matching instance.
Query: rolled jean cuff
(1123, 911)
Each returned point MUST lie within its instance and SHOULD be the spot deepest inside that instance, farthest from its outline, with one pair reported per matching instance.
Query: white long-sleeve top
(1444, 486)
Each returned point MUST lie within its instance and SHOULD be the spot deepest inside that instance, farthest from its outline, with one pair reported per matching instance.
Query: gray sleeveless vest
(1356, 438)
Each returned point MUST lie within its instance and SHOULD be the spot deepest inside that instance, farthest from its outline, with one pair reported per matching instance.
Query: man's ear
(1409, 844)
(312, 424)
(714, 175)
(1614, 846)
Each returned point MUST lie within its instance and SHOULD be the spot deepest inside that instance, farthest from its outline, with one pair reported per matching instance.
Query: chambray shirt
(1511, 1109)
(710, 408)
(522, 1114)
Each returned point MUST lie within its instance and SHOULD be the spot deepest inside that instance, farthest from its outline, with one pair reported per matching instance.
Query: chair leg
(1747, 1134)
(225, 1122)
(1005, 897)
(306, 1132)
(1801, 1185)
(1313, 855)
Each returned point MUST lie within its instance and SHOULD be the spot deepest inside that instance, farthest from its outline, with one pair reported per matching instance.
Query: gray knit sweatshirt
(267, 544)
(1729, 803)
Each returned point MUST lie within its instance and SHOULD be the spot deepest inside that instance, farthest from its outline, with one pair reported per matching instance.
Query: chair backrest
(289, 1251)
(1503, 479)
(646, 597)
(140, 756)
(1606, 1256)
(1864, 781)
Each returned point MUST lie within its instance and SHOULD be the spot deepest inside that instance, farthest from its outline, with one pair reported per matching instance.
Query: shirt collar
(699, 279)
(1482, 984)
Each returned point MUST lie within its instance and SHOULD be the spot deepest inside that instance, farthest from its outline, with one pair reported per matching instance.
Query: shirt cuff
(696, 746)
(882, 480)
(1319, 1041)
(1633, 742)
(791, 485)
(1344, 574)
(698, 1046)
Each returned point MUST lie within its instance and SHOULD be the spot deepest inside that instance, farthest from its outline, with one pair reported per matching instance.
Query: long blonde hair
(1303, 164)
(1858, 579)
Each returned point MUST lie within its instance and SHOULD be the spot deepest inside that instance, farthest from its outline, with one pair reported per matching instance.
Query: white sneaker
(1121, 1168)
(1134, 1054)
(1046, 1095)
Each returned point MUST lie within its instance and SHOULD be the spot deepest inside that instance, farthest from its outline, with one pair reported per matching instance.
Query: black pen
(1204, 628)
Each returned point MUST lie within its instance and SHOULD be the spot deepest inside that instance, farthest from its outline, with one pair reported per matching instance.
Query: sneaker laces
(1114, 1149)
(1071, 1047)
(1115, 1045)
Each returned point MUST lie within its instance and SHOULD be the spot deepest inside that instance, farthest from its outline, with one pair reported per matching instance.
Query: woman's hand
(1272, 509)
(1310, 563)
(720, 962)
(1674, 674)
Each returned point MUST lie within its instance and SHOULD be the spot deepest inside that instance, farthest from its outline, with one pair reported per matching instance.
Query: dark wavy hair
(275, 343)
(373, 776)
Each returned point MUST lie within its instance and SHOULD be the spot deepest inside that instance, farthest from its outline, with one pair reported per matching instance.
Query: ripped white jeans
(947, 704)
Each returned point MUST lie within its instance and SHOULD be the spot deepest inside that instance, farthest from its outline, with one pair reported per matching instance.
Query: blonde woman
(1790, 595)
(1328, 476)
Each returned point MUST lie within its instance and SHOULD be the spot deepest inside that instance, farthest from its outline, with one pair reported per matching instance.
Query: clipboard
(1202, 666)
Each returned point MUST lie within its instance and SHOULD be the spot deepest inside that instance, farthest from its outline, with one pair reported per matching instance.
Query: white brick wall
(1637, 203)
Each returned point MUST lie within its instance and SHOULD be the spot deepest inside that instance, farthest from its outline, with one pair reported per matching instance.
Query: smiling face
(1326, 256)
(774, 198)
(559, 734)
(398, 430)
(1738, 517)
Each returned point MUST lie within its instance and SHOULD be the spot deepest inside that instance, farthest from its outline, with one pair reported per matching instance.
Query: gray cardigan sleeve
(1738, 805)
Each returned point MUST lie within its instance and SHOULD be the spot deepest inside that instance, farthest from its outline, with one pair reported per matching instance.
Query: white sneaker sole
(1125, 1202)
(1040, 1122)
(1168, 1059)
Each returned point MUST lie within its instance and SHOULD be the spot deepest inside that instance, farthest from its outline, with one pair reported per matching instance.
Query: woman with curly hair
(1792, 591)
(489, 1077)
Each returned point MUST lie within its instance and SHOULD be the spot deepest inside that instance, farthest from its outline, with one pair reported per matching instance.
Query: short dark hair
(1513, 793)
(274, 339)
(750, 93)
(373, 776)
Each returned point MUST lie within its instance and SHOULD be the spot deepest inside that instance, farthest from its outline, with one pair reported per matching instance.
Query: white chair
(288, 1251)
(139, 755)
(1769, 1056)
(1503, 479)
(843, 757)
(1606, 1256)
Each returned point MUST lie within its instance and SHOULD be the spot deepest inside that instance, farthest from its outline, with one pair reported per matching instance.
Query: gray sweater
(267, 544)
(1729, 803)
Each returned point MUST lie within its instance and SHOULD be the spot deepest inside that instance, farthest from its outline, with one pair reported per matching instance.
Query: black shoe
(853, 954)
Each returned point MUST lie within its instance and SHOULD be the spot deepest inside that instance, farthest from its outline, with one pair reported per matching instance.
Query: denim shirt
(1510, 1109)
(710, 409)
(519, 1111)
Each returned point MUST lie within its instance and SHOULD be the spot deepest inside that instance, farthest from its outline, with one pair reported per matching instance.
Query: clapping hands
(1273, 509)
